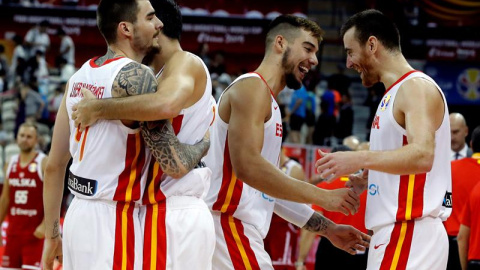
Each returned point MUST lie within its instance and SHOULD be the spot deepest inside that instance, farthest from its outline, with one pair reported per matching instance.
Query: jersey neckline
(268, 86)
(400, 79)
(93, 65)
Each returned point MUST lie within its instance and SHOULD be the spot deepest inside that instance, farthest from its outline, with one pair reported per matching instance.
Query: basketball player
(184, 94)
(21, 201)
(102, 227)
(409, 159)
(244, 155)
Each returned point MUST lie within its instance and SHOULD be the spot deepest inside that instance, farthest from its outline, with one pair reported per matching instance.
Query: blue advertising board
(459, 82)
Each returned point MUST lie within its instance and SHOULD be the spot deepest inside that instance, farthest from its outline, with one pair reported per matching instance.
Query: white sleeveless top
(109, 159)
(392, 198)
(190, 127)
(227, 193)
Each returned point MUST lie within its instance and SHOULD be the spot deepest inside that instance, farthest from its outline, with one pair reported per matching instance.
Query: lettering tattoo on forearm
(56, 229)
(317, 223)
(167, 149)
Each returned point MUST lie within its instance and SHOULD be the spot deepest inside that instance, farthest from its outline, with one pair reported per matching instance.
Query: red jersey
(471, 218)
(465, 175)
(357, 220)
(26, 195)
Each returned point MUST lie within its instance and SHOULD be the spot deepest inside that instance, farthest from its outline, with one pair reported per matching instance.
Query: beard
(290, 78)
(148, 59)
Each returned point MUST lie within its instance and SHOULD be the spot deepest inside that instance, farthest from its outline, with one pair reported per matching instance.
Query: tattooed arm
(344, 237)
(176, 159)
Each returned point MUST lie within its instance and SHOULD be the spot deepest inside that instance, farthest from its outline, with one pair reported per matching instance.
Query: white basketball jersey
(190, 127)
(392, 198)
(227, 193)
(109, 159)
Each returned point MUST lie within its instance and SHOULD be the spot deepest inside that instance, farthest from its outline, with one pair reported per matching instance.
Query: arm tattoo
(174, 158)
(318, 224)
(134, 79)
(56, 230)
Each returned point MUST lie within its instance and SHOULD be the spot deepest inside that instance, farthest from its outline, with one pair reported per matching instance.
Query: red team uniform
(23, 249)
(329, 256)
(471, 218)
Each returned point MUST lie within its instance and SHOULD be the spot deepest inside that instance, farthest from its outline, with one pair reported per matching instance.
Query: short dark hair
(169, 13)
(111, 12)
(287, 26)
(372, 22)
(476, 140)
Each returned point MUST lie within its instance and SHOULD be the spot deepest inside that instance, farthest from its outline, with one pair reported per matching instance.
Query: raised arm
(174, 91)
(249, 104)
(419, 107)
(176, 159)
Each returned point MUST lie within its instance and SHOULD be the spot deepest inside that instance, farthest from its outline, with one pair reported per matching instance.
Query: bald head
(458, 131)
(352, 142)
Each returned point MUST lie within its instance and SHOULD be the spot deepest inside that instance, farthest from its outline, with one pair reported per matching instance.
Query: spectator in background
(324, 127)
(328, 256)
(19, 60)
(339, 81)
(459, 131)
(375, 94)
(363, 146)
(297, 113)
(284, 99)
(202, 52)
(217, 65)
(351, 142)
(37, 38)
(469, 234)
(345, 121)
(30, 105)
(465, 175)
(4, 69)
(281, 240)
(54, 104)
(66, 69)
(22, 202)
(67, 47)
(311, 108)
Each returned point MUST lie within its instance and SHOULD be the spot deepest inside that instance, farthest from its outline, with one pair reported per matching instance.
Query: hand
(301, 267)
(40, 231)
(82, 112)
(347, 238)
(342, 200)
(52, 249)
(358, 182)
(338, 163)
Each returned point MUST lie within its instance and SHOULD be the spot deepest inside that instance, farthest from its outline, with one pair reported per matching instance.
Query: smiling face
(358, 58)
(299, 58)
(146, 28)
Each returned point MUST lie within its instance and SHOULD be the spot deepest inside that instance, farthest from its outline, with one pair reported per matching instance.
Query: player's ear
(372, 44)
(125, 29)
(280, 43)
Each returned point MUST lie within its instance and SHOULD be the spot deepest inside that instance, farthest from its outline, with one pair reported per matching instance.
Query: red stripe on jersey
(391, 247)
(246, 244)
(419, 187)
(227, 178)
(130, 238)
(147, 238)
(407, 244)
(240, 261)
(177, 123)
(153, 192)
(401, 79)
(162, 236)
(124, 246)
(124, 177)
(82, 147)
(402, 197)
